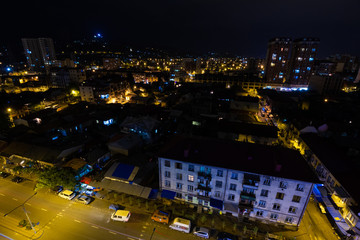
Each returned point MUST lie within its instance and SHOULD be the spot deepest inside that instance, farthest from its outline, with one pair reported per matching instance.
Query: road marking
(28, 204)
(95, 227)
(14, 199)
(112, 232)
(120, 233)
(77, 221)
(44, 209)
(2, 194)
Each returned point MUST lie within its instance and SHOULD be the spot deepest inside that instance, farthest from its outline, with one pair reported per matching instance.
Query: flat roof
(247, 157)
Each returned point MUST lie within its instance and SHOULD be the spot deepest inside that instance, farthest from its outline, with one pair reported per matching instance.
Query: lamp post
(152, 233)
(23, 207)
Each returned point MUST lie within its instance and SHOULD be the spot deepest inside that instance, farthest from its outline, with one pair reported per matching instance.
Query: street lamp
(23, 207)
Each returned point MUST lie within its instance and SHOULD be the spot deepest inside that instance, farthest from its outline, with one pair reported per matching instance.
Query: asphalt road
(60, 219)
(314, 225)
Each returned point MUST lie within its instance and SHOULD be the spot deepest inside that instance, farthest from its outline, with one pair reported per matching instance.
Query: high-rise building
(39, 52)
(277, 60)
(303, 53)
(290, 62)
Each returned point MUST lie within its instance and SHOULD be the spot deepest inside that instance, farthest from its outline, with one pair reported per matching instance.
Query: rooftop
(247, 157)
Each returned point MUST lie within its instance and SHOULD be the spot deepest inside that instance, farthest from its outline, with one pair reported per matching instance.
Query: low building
(269, 184)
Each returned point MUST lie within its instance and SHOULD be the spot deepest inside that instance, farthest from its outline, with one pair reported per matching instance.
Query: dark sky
(240, 27)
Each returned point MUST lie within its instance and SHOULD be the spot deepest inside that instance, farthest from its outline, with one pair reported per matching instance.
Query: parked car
(57, 189)
(4, 174)
(201, 232)
(121, 215)
(322, 208)
(226, 236)
(83, 199)
(160, 216)
(67, 194)
(17, 179)
(181, 224)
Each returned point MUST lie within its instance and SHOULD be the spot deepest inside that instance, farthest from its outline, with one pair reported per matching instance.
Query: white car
(201, 232)
(67, 194)
(83, 199)
(121, 215)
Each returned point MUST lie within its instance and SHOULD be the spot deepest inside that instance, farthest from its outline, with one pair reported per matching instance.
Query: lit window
(296, 198)
(280, 196)
(190, 178)
(262, 203)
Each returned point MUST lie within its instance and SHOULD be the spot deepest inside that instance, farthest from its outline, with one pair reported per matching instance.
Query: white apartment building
(270, 184)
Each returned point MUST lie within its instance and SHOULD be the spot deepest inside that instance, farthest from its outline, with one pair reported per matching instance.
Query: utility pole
(152, 233)
(23, 207)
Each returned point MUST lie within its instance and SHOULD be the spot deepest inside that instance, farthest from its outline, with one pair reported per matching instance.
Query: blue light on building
(311, 59)
(297, 70)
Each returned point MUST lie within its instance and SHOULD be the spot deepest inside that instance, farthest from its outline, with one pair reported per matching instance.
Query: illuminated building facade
(302, 59)
(39, 52)
(265, 183)
(277, 60)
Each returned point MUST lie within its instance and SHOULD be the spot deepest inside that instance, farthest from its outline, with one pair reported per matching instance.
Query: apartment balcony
(250, 184)
(251, 181)
(202, 187)
(204, 175)
(247, 196)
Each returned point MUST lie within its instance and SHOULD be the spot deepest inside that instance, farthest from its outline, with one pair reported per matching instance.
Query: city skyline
(196, 28)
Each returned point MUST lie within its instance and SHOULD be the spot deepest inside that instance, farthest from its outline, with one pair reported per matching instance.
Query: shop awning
(168, 194)
(216, 203)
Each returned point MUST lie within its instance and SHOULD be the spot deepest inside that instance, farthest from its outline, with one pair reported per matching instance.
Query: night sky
(241, 27)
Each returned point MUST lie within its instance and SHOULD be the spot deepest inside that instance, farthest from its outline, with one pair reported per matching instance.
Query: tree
(52, 177)
(5, 122)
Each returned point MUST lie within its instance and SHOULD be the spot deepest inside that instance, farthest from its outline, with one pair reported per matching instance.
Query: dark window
(218, 184)
(178, 165)
(232, 187)
(191, 168)
(276, 206)
(264, 193)
(167, 163)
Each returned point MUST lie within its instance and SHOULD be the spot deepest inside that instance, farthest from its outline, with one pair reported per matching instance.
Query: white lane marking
(120, 233)
(95, 227)
(2, 194)
(14, 199)
(44, 209)
(77, 221)
(112, 232)
(28, 204)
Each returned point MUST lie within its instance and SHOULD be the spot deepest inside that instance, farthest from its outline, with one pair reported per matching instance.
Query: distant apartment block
(303, 54)
(39, 52)
(266, 183)
(290, 61)
(277, 60)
